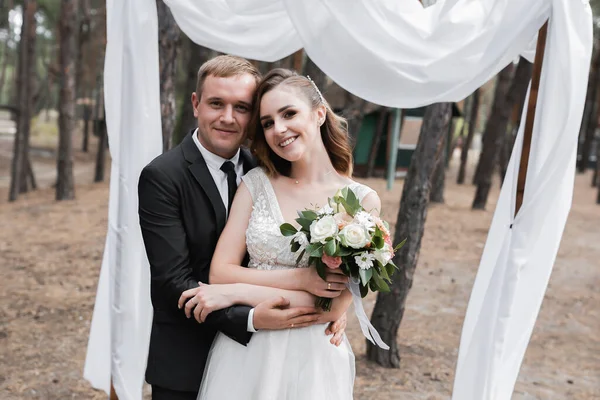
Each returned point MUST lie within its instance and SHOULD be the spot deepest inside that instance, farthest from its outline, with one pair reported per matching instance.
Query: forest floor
(50, 256)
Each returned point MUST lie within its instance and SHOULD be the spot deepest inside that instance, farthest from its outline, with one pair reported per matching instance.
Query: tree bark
(87, 111)
(24, 99)
(168, 41)
(439, 173)
(186, 121)
(494, 131)
(590, 120)
(101, 153)
(516, 100)
(464, 151)
(69, 29)
(410, 225)
(383, 116)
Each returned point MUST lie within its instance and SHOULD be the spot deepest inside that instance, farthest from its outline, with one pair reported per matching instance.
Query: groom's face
(223, 112)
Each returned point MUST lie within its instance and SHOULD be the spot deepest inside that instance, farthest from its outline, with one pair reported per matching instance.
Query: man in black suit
(184, 198)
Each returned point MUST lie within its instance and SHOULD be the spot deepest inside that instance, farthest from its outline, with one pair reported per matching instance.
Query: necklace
(296, 181)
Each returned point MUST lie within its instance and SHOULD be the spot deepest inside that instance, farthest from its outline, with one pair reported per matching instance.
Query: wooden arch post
(531, 108)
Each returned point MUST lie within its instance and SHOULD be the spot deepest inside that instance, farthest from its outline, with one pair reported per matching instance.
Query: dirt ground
(50, 255)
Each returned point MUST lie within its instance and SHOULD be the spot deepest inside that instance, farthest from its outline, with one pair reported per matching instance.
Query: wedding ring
(329, 286)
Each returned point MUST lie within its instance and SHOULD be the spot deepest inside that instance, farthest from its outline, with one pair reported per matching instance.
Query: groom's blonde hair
(225, 66)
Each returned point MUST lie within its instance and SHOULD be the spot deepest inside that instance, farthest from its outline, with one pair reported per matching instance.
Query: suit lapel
(200, 171)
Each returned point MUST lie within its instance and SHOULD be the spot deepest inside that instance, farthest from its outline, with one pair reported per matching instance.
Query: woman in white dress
(305, 157)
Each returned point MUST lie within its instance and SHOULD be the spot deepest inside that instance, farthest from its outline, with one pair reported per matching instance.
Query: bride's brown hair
(334, 130)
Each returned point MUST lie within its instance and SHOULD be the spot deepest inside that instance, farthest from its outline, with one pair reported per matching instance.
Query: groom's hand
(205, 299)
(337, 329)
(332, 287)
(275, 314)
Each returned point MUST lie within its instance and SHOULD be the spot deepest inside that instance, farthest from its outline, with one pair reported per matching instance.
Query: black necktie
(229, 169)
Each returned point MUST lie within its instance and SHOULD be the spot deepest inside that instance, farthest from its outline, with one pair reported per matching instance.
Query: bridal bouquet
(344, 235)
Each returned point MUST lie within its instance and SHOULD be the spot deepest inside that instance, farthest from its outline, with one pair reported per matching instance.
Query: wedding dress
(289, 364)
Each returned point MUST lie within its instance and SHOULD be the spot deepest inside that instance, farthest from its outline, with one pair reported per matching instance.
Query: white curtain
(397, 54)
(120, 332)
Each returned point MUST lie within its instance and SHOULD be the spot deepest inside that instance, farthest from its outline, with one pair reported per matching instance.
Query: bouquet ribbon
(365, 325)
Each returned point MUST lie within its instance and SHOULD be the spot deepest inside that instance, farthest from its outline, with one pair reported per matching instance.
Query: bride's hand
(332, 287)
(205, 299)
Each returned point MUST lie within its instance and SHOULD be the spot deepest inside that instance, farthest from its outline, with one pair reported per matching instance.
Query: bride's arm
(231, 249)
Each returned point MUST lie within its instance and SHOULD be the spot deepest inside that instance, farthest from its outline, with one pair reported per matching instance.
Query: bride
(304, 156)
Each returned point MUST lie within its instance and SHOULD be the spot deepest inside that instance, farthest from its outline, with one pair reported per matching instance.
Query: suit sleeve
(165, 240)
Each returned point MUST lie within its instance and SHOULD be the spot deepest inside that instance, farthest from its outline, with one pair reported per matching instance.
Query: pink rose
(331, 262)
(388, 240)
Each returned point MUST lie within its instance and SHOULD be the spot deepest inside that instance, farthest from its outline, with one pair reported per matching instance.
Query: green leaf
(364, 290)
(304, 223)
(344, 251)
(295, 246)
(381, 285)
(399, 245)
(390, 268)
(330, 247)
(300, 257)
(384, 274)
(288, 229)
(365, 275)
(378, 242)
(321, 268)
(310, 214)
(315, 250)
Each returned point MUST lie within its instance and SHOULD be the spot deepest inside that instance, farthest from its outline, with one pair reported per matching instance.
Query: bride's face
(290, 124)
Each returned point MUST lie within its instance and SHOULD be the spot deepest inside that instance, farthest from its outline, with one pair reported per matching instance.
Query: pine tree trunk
(516, 100)
(168, 40)
(69, 29)
(186, 120)
(383, 117)
(495, 130)
(410, 225)
(590, 121)
(439, 173)
(24, 100)
(101, 153)
(464, 151)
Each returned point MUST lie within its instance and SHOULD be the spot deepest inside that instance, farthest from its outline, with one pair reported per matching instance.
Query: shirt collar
(212, 160)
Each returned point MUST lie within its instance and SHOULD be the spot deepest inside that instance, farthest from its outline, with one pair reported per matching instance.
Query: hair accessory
(316, 88)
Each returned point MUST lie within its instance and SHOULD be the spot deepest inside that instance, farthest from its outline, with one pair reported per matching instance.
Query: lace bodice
(267, 247)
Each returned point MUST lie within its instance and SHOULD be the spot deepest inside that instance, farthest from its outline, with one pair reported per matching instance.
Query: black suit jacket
(182, 216)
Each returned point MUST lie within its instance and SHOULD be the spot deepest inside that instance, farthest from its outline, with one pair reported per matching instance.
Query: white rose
(323, 228)
(383, 255)
(355, 236)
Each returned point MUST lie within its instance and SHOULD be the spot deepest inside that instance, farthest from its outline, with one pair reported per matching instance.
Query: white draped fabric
(120, 332)
(393, 53)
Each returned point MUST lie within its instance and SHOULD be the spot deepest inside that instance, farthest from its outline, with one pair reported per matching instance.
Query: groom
(184, 199)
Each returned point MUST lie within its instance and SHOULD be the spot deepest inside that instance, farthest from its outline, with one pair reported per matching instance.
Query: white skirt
(291, 364)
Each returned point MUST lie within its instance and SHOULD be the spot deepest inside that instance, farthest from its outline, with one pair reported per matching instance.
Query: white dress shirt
(214, 163)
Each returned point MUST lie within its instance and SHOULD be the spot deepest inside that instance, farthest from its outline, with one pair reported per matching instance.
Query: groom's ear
(195, 103)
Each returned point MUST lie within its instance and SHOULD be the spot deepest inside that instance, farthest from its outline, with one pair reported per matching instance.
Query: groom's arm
(168, 254)
(234, 322)
(164, 235)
